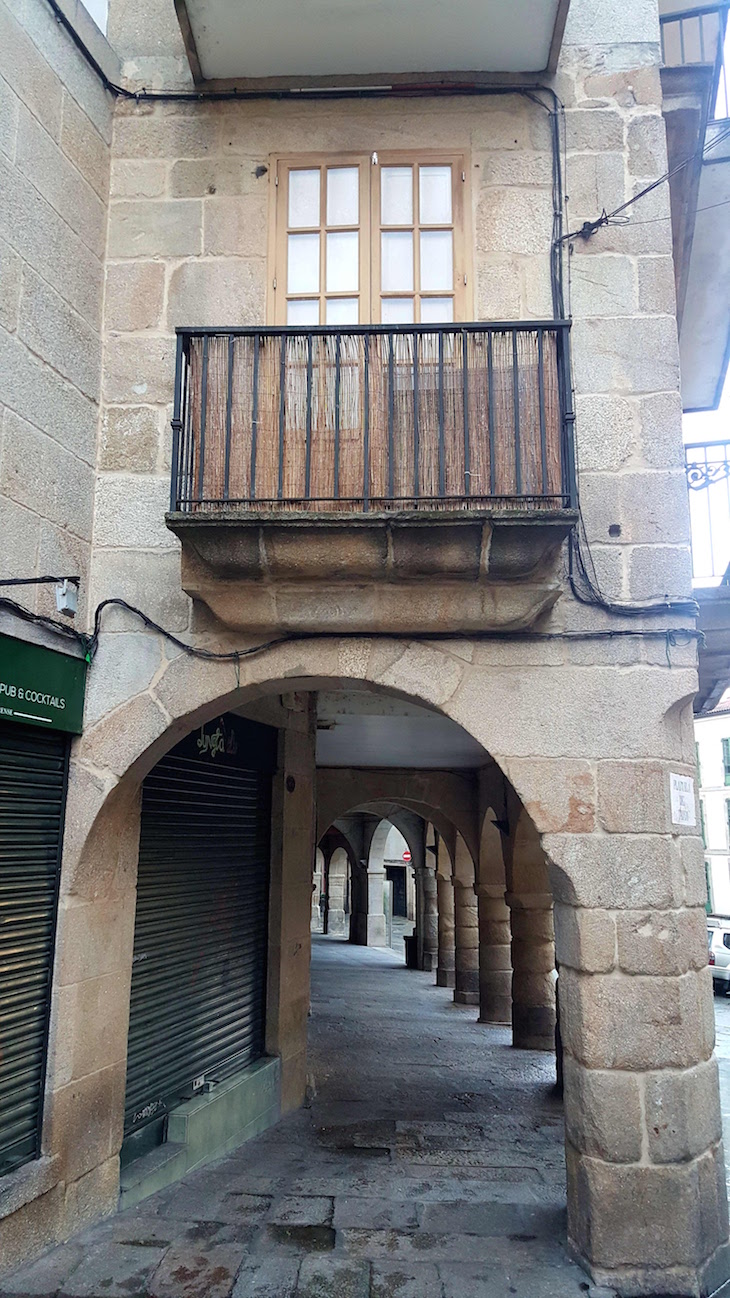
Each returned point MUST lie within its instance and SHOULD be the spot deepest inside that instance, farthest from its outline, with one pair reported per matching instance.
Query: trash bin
(411, 951)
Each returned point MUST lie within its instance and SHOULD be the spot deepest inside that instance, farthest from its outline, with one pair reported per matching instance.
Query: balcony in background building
(370, 456)
(708, 478)
(295, 40)
(696, 85)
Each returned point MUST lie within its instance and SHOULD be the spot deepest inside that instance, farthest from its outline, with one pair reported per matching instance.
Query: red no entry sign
(406, 855)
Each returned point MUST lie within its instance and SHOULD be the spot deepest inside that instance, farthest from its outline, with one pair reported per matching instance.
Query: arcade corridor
(429, 1164)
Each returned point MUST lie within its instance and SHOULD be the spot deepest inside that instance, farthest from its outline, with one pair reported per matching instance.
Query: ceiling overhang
(298, 41)
(704, 340)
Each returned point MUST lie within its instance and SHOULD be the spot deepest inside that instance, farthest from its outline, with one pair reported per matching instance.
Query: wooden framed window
(369, 239)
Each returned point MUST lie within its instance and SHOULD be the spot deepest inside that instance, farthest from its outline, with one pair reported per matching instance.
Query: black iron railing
(373, 418)
(701, 36)
(707, 466)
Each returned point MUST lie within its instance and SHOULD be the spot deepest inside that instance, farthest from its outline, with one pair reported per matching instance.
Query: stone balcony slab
(427, 571)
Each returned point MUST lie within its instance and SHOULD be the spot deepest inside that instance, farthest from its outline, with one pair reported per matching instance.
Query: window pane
(343, 311)
(342, 267)
(303, 198)
(303, 313)
(437, 310)
(396, 310)
(342, 196)
(437, 260)
(434, 184)
(396, 261)
(396, 195)
(303, 263)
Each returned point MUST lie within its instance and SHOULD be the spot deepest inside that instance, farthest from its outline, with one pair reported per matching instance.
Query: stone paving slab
(432, 1246)
(269, 1277)
(46, 1276)
(429, 1165)
(502, 1219)
(333, 1278)
(112, 1269)
(303, 1210)
(189, 1272)
(376, 1214)
(393, 1280)
(464, 1281)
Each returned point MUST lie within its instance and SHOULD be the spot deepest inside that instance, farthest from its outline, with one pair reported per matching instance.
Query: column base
(445, 977)
(429, 961)
(546, 1044)
(496, 1007)
(376, 934)
(337, 924)
(533, 1027)
(466, 998)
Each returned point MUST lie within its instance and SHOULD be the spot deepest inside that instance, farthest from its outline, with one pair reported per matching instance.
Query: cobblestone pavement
(429, 1165)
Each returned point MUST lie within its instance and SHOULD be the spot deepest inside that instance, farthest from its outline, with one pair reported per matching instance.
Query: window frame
(369, 293)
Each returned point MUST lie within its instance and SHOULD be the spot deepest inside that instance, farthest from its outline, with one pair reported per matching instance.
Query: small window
(702, 821)
(363, 238)
(726, 759)
(726, 940)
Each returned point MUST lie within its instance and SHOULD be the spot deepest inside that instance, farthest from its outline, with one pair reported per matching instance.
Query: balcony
(405, 476)
(295, 41)
(696, 85)
(707, 466)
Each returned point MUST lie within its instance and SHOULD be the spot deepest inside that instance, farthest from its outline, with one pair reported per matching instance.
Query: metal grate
(33, 775)
(373, 418)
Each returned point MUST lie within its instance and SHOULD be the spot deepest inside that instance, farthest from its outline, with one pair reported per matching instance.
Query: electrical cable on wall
(672, 636)
(589, 228)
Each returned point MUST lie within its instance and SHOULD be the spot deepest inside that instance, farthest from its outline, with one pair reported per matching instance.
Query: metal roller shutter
(201, 930)
(33, 775)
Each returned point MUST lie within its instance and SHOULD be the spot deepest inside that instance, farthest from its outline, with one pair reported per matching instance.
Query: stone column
(337, 922)
(533, 971)
(292, 846)
(495, 966)
(359, 904)
(446, 968)
(466, 934)
(317, 888)
(429, 958)
(647, 1206)
(375, 934)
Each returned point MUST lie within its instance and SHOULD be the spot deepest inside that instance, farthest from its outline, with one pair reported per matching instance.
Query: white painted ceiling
(705, 335)
(369, 729)
(290, 38)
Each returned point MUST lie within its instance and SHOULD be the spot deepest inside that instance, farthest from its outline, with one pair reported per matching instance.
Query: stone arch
(555, 761)
(448, 799)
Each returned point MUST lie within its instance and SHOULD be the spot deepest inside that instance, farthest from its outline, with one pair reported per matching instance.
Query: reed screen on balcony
(372, 418)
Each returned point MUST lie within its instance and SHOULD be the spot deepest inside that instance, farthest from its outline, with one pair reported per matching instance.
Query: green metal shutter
(201, 930)
(33, 775)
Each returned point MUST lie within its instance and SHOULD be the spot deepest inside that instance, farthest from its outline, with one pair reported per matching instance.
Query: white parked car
(718, 942)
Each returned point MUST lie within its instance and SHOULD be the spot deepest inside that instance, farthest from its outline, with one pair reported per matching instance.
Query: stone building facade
(548, 835)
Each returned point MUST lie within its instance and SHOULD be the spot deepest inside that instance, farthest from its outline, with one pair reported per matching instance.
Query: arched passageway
(322, 716)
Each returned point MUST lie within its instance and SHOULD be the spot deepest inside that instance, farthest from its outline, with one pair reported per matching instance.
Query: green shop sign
(40, 687)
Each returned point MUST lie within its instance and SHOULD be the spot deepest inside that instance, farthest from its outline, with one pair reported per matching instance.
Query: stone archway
(620, 874)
